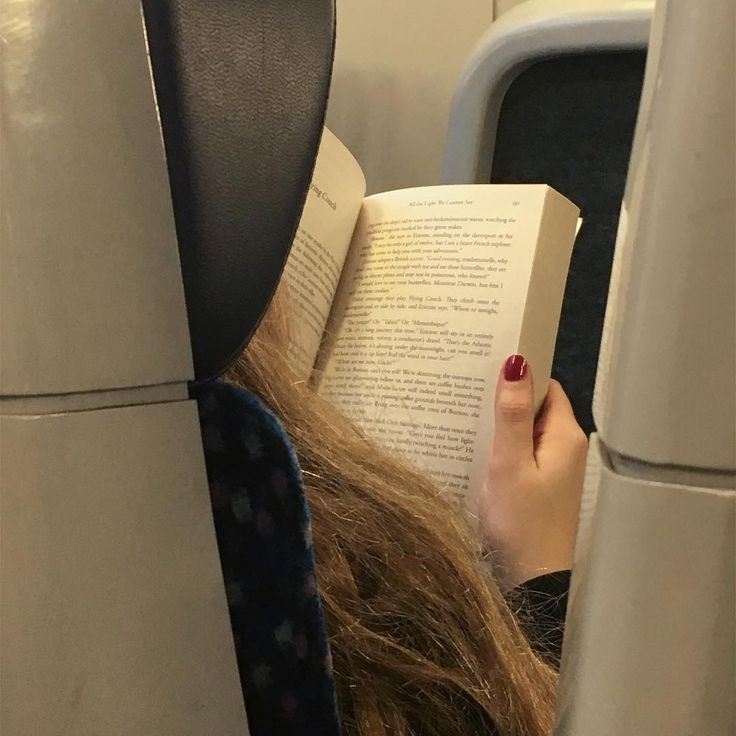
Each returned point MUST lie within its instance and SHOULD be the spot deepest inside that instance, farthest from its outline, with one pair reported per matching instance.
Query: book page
(430, 304)
(318, 252)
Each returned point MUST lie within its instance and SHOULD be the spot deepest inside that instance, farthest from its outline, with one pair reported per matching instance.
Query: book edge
(547, 282)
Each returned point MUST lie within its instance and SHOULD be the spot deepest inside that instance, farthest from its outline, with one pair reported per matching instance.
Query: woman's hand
(530, 502)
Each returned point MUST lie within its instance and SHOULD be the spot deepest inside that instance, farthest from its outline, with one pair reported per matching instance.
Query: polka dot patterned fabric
(263, 533)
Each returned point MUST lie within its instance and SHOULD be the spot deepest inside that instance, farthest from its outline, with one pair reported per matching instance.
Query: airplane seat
(240, 151)
(155, 163)
(241, 88)
(551, 94)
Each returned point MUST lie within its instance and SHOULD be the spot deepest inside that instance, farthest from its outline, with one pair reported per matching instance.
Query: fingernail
(515, 368)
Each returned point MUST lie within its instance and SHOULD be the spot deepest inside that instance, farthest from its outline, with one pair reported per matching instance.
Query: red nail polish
(514, 368)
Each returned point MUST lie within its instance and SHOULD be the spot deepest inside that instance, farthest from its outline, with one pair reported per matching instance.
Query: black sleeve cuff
(540, 605)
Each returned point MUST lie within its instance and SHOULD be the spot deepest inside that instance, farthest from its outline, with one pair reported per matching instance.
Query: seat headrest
(242, 90)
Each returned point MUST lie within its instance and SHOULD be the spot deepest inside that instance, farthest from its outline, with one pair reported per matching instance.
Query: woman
(423, 640)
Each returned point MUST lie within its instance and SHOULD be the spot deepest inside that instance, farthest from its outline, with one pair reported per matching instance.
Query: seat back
(551, 95)
(569, 121)
(242, 90)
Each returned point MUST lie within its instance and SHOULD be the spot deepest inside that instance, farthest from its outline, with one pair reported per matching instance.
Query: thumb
(513, 436)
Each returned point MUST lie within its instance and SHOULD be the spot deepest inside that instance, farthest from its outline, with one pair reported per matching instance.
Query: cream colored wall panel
(395, 71)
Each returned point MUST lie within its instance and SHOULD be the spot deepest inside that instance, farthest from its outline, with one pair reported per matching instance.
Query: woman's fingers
(530, 502)
(556, 410)
(557, 425)
(513, 438)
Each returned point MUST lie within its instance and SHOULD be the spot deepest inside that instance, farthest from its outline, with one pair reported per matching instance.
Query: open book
(408, 302)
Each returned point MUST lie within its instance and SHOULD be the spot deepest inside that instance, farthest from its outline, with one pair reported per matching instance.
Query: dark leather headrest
(242, 89)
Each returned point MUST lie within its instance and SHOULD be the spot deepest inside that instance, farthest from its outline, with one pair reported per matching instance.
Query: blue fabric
(263, 533)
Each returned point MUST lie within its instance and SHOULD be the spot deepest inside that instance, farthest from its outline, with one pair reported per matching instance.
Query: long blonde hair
(422, 640)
